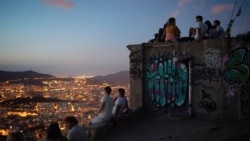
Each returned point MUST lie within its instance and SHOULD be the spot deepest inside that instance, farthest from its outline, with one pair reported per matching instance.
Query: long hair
(171, 21)
(209, 24)
(54, 131)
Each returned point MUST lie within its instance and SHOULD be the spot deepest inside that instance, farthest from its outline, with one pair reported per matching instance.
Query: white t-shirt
(119, 101)
(107, 110)
(203, 29)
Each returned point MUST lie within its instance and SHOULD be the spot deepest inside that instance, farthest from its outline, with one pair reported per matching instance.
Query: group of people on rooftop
(203, 30)
(109, 110)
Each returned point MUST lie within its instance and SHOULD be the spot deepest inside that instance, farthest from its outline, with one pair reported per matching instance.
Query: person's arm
(101, 107)
(118, 107)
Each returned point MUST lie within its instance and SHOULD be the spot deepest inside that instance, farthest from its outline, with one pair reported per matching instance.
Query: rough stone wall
(212, 76)
(236, 76)
(135, 76)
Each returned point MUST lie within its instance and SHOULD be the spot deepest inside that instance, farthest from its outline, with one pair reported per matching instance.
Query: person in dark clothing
(54, 133)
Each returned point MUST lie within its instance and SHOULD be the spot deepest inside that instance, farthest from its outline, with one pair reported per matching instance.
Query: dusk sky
(90, 37)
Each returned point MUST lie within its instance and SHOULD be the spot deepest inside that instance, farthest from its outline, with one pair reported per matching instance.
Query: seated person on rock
(211, 32)
(105, 110)
(200, 30)
(120, 103)
(220, 32)
(171, 32)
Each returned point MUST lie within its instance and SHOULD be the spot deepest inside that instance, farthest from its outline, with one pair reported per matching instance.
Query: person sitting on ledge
(199, 32)
(105, 109)
(120, 103)
(172, 32)
(220, 32)
(211, 33)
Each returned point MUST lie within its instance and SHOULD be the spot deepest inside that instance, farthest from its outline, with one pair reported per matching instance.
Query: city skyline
(79, 37)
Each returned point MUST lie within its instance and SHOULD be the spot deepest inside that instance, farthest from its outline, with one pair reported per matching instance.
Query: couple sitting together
(110, 108)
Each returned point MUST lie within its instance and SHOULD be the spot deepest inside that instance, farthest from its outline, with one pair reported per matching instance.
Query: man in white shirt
(199, 32)
(105, 109)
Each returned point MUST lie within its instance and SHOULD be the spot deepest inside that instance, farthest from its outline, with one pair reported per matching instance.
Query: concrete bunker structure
(210, 78)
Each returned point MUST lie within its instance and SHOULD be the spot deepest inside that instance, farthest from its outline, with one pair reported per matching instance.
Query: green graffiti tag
(237, 68)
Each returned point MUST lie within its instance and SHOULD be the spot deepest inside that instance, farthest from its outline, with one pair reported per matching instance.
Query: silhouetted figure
(211, 33)
(75, 132)
(220, 32)
(54, 133)
(160, 34)
(15, 136)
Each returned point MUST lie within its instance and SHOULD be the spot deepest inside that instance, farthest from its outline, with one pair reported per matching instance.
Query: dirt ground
(163, 128)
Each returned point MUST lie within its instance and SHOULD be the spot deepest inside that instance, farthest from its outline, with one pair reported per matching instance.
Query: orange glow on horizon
(22, 114)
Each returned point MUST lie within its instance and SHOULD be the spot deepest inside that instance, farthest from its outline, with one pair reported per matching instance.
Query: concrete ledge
(95, 131)
(98, 129)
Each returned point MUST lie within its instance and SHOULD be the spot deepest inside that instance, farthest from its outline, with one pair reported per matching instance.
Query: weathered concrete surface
(212, 75)
(164, 128)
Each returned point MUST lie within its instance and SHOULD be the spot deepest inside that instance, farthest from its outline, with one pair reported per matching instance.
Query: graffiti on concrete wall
(207, 102)
(167, 80)
(236, 73)
(201, 72)
(237, 67)
(231, 89)
(212, 57)
(135, 68)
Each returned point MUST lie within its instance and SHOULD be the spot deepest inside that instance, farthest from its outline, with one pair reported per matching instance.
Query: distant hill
(7, 75)
(119, 78)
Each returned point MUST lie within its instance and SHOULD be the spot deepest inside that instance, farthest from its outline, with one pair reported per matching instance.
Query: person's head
(121, 92)
(54, 131)
(199, 18)
(108, 89)
(209, 24)
(15, 136)
(70, 121)
(216, 23)
(171, 21)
